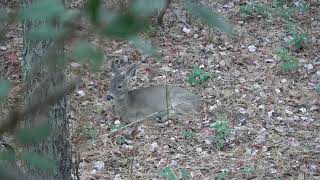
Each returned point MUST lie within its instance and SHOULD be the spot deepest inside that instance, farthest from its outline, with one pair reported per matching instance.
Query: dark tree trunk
(42, 76)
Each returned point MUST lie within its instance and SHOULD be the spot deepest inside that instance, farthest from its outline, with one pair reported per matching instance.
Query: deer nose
(109, 97)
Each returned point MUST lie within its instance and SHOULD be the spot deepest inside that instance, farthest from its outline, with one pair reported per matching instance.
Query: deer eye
(119, 87)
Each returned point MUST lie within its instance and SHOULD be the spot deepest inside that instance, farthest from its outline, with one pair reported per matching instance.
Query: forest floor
(273, 114)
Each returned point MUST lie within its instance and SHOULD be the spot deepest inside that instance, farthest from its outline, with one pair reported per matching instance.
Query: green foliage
(7, 156)
(185, 174)
(93, 7)
(151, 30)
(317, 88)
(32, 135)
(223, 175)
(146, 8)
(208, 16)
(303, 7)
(4, 88)
(89, 131)
(45, 32)
(288, 62)
(39, 161)
(187, 134)
(279, 3)
(277, 10)
(125, 26)
(145, 47)
(248, 170)
(121, 140)
(198, 78)
(298, 40)
(70, 15)
(222, 131)
(247, 9)
(168, 174)
(87, 53)
(41, 10)
(3, 15)
(256, 8)
(263, 10)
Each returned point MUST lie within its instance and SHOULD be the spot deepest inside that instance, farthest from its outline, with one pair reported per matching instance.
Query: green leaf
(145, 47)
(166, 172)
(197, 72)
(125, 26)
(185, 174)
(69, 15)
(209, 17)
(45, 32)
(38, 161)
(7, 155)
(42, 10)
(3, 15)
(93, 8)
(87, 53)
(31, 135)
(146, 7)
(4, 88)
(247, 9)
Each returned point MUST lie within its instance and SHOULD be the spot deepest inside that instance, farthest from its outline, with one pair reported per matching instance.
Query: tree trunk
(42, 76)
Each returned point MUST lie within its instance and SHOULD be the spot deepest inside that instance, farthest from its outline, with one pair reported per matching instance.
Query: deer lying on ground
(155, 101)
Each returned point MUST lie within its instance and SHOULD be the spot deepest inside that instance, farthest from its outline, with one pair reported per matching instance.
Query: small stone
(118, 51)
(288, 112)
(314, 108)
(199, 150)
(269, 60)
(252, 48)
(186, 30)
(283, 81)
(117, 177)
(99, 165)
(242, 80)
(270, 113)
(211, 108)
(81, 93)
(154, 146)
(222, 63)
(303, 110)
(75, 65)
(242, 111)
(93, 171)
(196, 36)
(209, 47)
(309, 66)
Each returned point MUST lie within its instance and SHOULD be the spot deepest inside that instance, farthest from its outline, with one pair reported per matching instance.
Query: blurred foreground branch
(11, 121)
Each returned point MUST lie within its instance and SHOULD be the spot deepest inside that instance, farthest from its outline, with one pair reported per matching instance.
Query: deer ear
(131, 71)
(115, 69)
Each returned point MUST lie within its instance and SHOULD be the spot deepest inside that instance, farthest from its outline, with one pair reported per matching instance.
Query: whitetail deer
(160, 101)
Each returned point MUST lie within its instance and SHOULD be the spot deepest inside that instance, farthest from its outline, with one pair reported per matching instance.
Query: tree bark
(42, 76)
